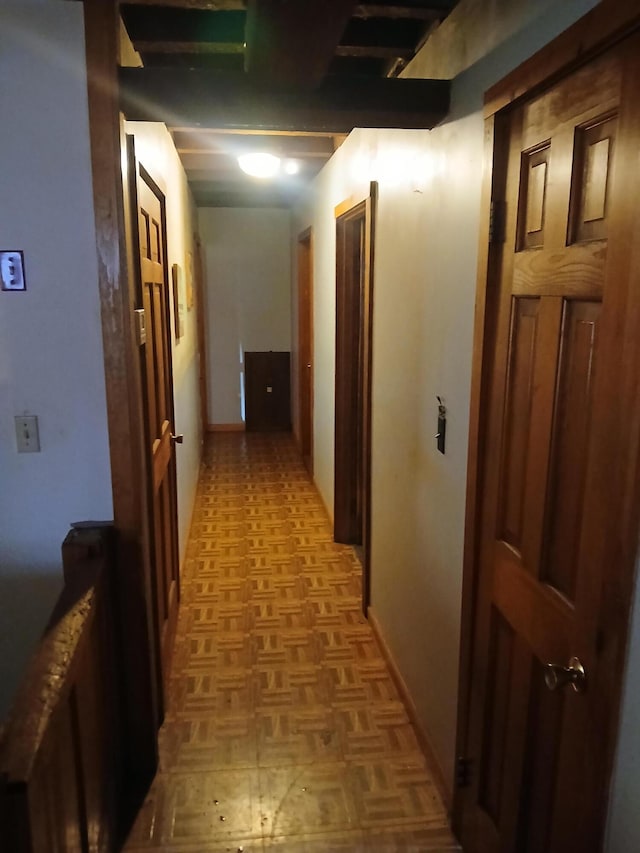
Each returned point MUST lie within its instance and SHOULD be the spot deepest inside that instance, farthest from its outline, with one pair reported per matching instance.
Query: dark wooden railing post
(61, 750)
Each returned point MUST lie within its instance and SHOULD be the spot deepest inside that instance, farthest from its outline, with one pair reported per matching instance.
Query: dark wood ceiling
(288, 76)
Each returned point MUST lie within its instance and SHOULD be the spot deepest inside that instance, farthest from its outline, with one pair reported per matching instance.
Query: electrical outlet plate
(12, 270)
(141, 326)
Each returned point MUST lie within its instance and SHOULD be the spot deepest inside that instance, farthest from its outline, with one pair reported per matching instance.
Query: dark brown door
(549, 583)
(354, 316)
(267, 381)
(350, 280)
(160, 417)
(305, 347)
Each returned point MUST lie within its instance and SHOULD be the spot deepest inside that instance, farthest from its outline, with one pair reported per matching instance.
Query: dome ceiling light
(259, 164)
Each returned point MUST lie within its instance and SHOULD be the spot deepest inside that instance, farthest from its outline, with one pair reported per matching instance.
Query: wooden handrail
(59, 750)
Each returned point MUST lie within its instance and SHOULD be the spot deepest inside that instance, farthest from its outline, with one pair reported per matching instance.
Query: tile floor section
(284, 731)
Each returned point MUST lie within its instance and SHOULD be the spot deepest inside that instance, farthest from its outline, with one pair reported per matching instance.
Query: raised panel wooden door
(538, 766)
(160, 416)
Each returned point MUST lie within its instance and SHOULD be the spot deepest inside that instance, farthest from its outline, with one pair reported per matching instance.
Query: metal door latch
(442, 424)
(557, 676)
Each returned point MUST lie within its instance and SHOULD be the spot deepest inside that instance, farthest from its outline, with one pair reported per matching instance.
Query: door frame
(600, 29)
(200, 289)
(305, 368)
(348, 416)
(140, 710)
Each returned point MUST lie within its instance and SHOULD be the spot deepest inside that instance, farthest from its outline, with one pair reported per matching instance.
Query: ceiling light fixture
(259, 165)
(292, 167)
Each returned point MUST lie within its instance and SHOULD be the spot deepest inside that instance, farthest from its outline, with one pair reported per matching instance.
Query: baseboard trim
(423, 738)
(225, 427)
(194, 502)
(324, 503)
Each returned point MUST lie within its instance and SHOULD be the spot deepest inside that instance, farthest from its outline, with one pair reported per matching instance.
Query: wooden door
(305, 347)
(350, 280)
(267, 378)
(160, 417)
(549, 587)
(355, 229)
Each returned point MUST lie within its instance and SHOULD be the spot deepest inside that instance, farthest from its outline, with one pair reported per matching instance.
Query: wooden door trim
(123, 394)
(202, 333)
(306, 237)
(368, 386)
(594, 34)
(489, 264)
(346, 205)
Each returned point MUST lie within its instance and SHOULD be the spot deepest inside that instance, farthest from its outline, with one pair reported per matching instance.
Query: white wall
(421, 347)
(51, 358)
(624, 825)
(248, 295)
(425, 277)
(157, 153)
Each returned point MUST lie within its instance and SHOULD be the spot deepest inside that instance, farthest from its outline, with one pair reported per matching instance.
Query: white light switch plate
(27, 435)
(12, 270)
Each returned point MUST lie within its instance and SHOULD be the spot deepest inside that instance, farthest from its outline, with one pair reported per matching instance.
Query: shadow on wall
(26, 602)
(468, 88)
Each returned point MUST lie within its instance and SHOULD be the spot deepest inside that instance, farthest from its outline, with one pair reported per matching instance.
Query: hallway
(284, 730)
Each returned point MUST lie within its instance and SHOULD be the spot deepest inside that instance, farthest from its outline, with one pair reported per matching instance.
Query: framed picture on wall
(178, 305)
(189, 281)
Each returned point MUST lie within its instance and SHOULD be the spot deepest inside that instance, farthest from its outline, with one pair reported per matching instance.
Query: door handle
(557, 676)
(177, 439)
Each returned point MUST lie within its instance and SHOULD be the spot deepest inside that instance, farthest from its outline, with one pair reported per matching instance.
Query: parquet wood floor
(284, 731)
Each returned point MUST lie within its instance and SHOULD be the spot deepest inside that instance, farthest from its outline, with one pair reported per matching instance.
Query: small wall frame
(178, 308)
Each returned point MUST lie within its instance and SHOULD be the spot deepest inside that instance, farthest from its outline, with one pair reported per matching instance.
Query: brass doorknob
(177, 439)
(557, 676)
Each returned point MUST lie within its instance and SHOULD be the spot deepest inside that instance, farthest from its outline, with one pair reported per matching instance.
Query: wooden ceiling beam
(221, 162)
(207, 5)
(205, 98)
(195, 47)
(208, 142)
(211, 156)
(292, 42)
(246, 193)
(234, 178)
(374, 51)
(202, 48)
(243, 198)
(248, 131)
(413, 13)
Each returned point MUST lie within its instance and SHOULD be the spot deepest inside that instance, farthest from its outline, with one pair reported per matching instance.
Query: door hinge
(497, 221)
(463, 771)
